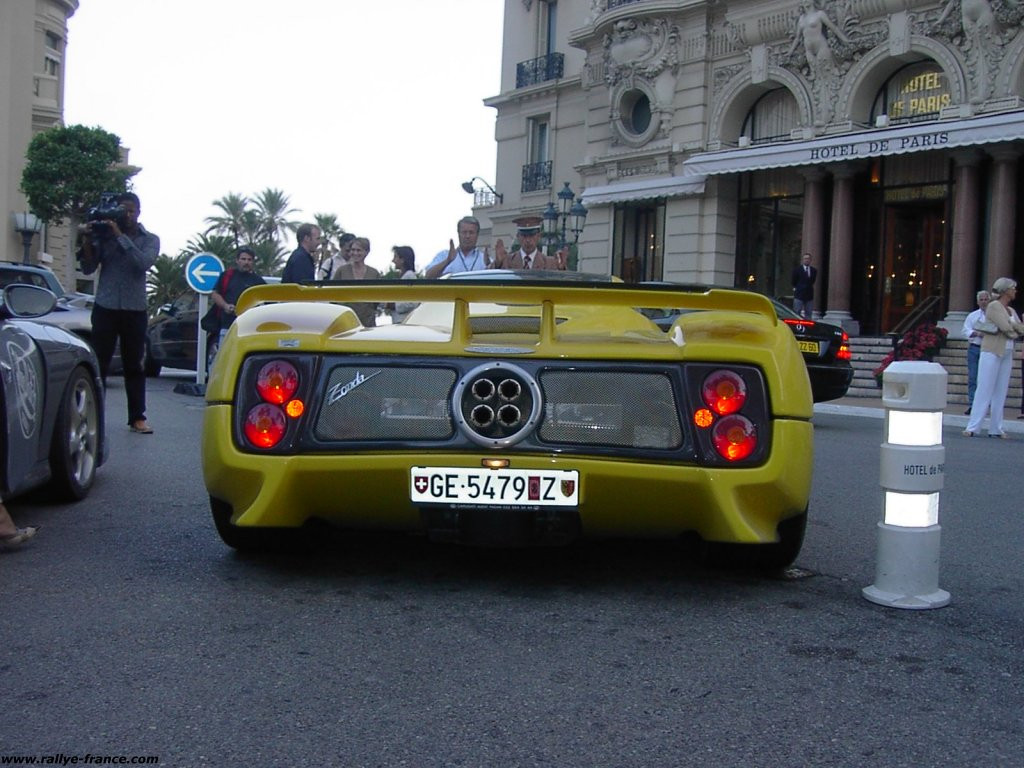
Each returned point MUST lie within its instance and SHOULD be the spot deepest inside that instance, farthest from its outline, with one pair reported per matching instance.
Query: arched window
(917, 92)
(772, 118)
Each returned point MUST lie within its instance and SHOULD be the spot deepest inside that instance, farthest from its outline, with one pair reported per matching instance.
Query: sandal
(19, 537)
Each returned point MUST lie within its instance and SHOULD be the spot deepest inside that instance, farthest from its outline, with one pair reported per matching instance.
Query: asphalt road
(128, 629)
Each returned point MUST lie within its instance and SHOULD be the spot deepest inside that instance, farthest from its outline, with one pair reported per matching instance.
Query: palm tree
(273, 206)
(269, 257)
(165, 280)
(231, 220)
(330, 231)
(221, 246)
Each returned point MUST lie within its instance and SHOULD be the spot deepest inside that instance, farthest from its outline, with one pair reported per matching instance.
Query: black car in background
(172, 335)
(825, 348)
(826, 351)
(51, 403)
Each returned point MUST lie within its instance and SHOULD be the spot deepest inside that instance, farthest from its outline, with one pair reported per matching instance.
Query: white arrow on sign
(199, 273)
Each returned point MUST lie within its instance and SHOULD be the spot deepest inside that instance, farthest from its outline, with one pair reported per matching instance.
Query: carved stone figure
(982, 39)
(810, 29)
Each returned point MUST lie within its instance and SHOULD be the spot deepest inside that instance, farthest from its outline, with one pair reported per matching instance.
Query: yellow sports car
(512, 409)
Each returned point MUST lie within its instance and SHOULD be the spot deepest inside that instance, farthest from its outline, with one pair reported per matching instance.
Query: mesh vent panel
(375, 403)
(589, 407)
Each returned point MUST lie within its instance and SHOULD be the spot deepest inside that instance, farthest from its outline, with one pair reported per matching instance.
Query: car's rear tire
(761, 557)
(75, 450)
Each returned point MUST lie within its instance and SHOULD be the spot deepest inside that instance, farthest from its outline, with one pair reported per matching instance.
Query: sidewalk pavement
(871, 407)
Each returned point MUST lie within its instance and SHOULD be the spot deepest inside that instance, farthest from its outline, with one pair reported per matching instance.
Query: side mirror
(27, 301)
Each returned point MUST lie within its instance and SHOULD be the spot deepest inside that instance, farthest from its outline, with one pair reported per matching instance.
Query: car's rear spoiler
(527, 292)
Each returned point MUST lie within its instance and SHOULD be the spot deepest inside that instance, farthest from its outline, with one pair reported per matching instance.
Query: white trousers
(993, 383)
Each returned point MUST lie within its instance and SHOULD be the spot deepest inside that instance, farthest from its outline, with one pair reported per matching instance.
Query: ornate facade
(715, 141)
(33, 39)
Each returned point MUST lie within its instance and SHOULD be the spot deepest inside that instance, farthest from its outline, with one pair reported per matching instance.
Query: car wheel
(761, 557)
(74, 453)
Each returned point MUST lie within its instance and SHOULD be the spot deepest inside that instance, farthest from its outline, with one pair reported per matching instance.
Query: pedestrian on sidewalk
(996, 360)
(974, 338)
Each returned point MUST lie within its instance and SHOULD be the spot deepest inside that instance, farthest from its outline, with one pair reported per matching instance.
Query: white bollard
(912, 467)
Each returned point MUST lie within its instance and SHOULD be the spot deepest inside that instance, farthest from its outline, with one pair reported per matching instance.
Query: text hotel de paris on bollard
(912, 466)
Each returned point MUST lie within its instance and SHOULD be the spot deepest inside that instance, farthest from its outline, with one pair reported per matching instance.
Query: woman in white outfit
(996, 360)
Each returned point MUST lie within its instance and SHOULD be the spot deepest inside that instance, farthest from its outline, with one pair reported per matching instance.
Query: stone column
(964, 248)
(1002, 225)
(813, 233)
(840, 263)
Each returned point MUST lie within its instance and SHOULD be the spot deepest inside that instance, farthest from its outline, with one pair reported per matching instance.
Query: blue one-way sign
(203, 271)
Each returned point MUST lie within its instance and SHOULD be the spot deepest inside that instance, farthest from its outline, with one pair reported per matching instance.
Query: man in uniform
(529, 256)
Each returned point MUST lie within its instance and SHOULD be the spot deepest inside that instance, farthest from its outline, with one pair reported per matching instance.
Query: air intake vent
(612, 408)
(386, 403)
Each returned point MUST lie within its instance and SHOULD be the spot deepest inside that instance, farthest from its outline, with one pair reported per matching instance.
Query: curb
(877, 411)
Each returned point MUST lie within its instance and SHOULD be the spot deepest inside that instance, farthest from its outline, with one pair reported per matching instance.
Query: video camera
(107, 210)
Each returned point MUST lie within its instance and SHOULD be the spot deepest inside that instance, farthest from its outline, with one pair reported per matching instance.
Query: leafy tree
(67, 169)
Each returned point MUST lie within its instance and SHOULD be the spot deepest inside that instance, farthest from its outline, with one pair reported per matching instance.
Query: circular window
(635, 120)
(636, 112)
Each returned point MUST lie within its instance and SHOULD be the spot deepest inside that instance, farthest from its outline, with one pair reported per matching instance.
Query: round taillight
(277, 381)
(724, 392)
(295, 408)
(734, 437)
(703, 418)
(264, 425)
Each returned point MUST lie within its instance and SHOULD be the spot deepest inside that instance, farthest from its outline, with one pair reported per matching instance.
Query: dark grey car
(51, 404)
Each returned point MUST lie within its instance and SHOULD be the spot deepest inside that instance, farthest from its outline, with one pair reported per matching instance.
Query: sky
(368, 109)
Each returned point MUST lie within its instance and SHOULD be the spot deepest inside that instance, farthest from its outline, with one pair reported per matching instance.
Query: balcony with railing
(616, 3)
(536, 176)
(534, 71)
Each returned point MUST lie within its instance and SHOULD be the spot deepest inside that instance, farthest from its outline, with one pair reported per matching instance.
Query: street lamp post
(29, 225)
(570, 216)
(482, 197)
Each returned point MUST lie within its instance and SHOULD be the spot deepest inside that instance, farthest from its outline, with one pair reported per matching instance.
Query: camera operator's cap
(528, 225)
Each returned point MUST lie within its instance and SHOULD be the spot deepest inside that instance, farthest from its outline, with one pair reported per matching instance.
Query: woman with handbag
(996, 360)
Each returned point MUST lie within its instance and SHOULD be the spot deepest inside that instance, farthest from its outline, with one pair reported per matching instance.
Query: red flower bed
(922, 342)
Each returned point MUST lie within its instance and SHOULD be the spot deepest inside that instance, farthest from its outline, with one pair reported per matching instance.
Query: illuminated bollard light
(912, 466)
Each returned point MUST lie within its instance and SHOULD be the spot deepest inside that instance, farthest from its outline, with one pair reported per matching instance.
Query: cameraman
(123, 251)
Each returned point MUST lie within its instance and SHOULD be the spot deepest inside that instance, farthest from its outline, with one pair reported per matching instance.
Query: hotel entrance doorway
(914, 259)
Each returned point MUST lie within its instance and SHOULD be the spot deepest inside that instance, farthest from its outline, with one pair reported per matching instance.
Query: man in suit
(804, 276)
(529, 256)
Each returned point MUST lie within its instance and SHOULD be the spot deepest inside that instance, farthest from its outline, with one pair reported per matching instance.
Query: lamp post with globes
(28, 225)
(570, 216)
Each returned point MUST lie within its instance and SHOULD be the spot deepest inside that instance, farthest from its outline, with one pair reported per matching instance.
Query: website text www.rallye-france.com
(86, 759)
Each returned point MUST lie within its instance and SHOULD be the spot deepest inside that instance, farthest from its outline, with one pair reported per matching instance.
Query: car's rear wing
(544, 293)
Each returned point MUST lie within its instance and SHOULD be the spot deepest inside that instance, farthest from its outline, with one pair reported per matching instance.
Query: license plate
(494, 487)
(808, 346)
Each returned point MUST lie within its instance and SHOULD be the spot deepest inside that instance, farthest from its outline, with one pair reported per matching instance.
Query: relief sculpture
(644, 53)
(828, 40)
(981, 31)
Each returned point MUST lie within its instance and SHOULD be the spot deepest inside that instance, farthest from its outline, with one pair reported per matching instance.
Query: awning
(672, 186)
(877, 142)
